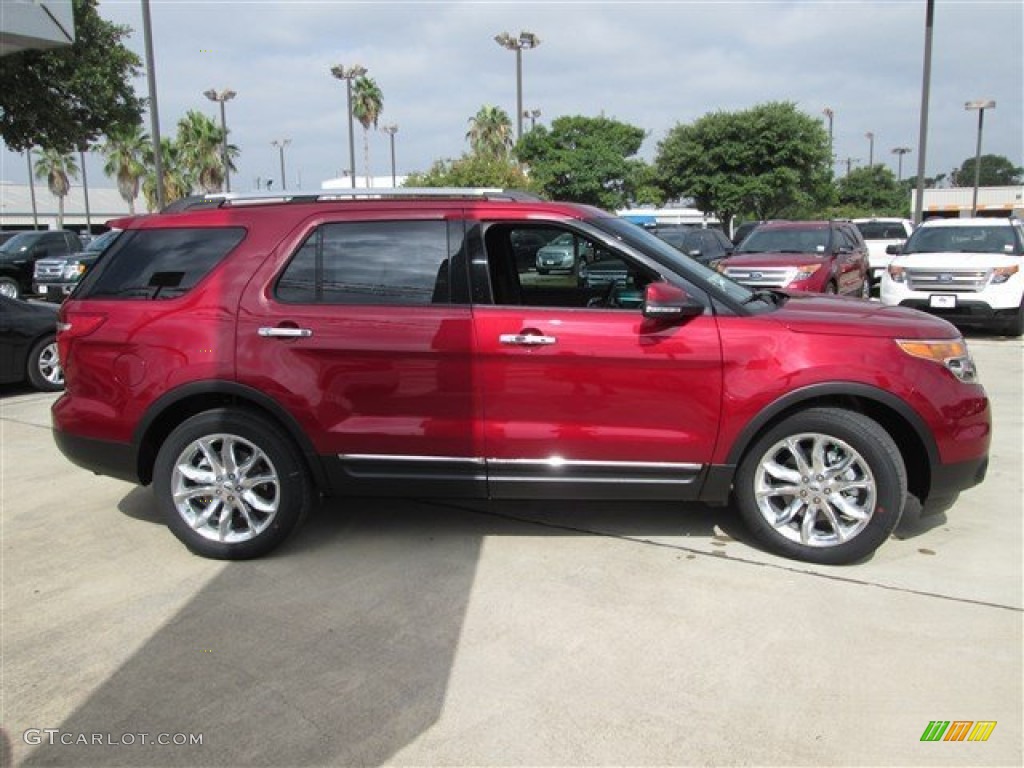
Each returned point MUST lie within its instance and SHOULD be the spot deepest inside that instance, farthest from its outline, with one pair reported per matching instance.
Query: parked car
(55, 278)
(28, 346)
(19, 255)
(744, 229)
(811, 256)
(251, 353)
(564, 253)
(708, 246)
(880, 234)
(969, 271)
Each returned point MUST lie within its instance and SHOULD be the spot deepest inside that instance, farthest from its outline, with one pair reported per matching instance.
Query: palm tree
(367, 104)
(490, 132)
(58, 170)
(177, 179)
(124, 150)
(200, 142)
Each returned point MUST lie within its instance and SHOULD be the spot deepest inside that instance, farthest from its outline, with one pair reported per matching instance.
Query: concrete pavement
(411, 633)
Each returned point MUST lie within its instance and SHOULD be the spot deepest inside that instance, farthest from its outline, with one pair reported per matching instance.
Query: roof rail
(222, 199)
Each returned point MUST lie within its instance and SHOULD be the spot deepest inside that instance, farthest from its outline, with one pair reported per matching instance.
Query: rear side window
(373, 262)
(158, 263)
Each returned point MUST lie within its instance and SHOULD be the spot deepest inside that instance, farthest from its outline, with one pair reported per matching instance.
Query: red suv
(244, 355)
(813, 256)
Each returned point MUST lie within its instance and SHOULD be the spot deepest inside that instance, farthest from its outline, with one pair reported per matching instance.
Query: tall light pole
(981, 105)
(391, 130)
(221, 97)
(532, 115)
(281, 144)
(154, 113)
(526, 40)
(32, 189)
(900, 152)
(348, 75)
(926, 85)
(871, 148)
(830, 115)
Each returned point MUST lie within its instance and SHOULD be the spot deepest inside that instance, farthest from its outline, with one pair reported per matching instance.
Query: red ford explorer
(244, 355)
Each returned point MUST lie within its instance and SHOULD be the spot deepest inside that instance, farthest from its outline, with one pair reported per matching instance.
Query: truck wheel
(43, 366)
(10, 288)
(230, 485)
(825, 485)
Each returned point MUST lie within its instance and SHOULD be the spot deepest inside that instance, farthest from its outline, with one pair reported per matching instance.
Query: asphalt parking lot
(409, 633)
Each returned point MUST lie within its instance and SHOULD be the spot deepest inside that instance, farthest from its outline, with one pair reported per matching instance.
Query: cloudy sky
(652, 64)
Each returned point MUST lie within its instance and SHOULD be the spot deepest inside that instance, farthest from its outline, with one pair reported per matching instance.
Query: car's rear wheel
(229, 485)
(43, 366)
(825, 486)
(9, 287)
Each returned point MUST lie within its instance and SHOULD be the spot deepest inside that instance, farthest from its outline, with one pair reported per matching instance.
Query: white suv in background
(969, 271)
(879, 234)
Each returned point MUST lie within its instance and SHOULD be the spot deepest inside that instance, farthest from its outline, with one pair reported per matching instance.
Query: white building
(104, 204)
(957, 202)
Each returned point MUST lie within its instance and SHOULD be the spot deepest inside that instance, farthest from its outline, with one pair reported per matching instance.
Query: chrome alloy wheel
(225, 488)
(815, 490)
(49, 365)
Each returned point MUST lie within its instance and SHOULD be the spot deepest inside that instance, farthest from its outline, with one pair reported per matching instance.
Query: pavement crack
(785, 567)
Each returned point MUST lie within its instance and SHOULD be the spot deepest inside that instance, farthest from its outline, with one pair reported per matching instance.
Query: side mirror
(666, 302)
(893, 250)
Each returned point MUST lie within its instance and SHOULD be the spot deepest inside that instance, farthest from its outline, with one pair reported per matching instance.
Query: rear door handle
(526, 339)
(285, 333)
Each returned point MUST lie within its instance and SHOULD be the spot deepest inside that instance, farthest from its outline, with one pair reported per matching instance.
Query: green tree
(585, 159)
(872, 191)
(57, 169)
(200, 145)
(124, 151)
(490, 132)
(765, 162)
(367, 104)
(472, 170)
(176, 176)
(996, 171)
(67, 97)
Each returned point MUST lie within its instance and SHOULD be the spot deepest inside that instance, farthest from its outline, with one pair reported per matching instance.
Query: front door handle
(526, 339)
(285, 333)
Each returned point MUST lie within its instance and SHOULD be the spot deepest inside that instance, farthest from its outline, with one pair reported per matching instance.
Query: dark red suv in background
(245, 355)
(812, 256)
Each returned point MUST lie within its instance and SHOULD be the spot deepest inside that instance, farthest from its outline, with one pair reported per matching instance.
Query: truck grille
(48, 269)
(953, 281)
(760, 277)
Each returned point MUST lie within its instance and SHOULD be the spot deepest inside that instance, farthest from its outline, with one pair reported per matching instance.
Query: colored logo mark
(958, 730)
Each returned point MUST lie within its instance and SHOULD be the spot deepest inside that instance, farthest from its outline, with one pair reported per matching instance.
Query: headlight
(897, 274)
(73, 270)
(1002, 274)
(802, 273)
(951, 353)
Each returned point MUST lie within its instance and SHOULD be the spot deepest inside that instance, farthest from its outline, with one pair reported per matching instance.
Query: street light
(900, 151)
(981, 105)
(532, 115)
(348, 75)
(220, 97)
(827, 112)
(281, 144)
(391, 130)
(525, 40)
(871, 148)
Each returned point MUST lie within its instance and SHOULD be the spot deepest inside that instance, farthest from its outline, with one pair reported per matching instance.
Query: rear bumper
(101, 457)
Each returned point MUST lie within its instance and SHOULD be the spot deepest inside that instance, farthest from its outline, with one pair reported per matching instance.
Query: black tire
(1015, 325)
(9, 287)
(43, 368)
(871, 481)
(262, 514)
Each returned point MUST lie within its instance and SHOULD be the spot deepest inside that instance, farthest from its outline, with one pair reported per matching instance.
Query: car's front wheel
(43, 367)
(230, 485)
(825, 485)
(9, 287)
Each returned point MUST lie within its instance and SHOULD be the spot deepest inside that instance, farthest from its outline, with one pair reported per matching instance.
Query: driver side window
(541, 265)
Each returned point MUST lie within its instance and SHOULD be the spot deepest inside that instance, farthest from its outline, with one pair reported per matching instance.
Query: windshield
(979, 239)
(18, 242)
(881, 230)
(763, 240)
(645, 242)
(100, 244)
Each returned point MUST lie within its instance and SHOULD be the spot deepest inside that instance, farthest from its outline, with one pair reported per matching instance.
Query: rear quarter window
(158, 263)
